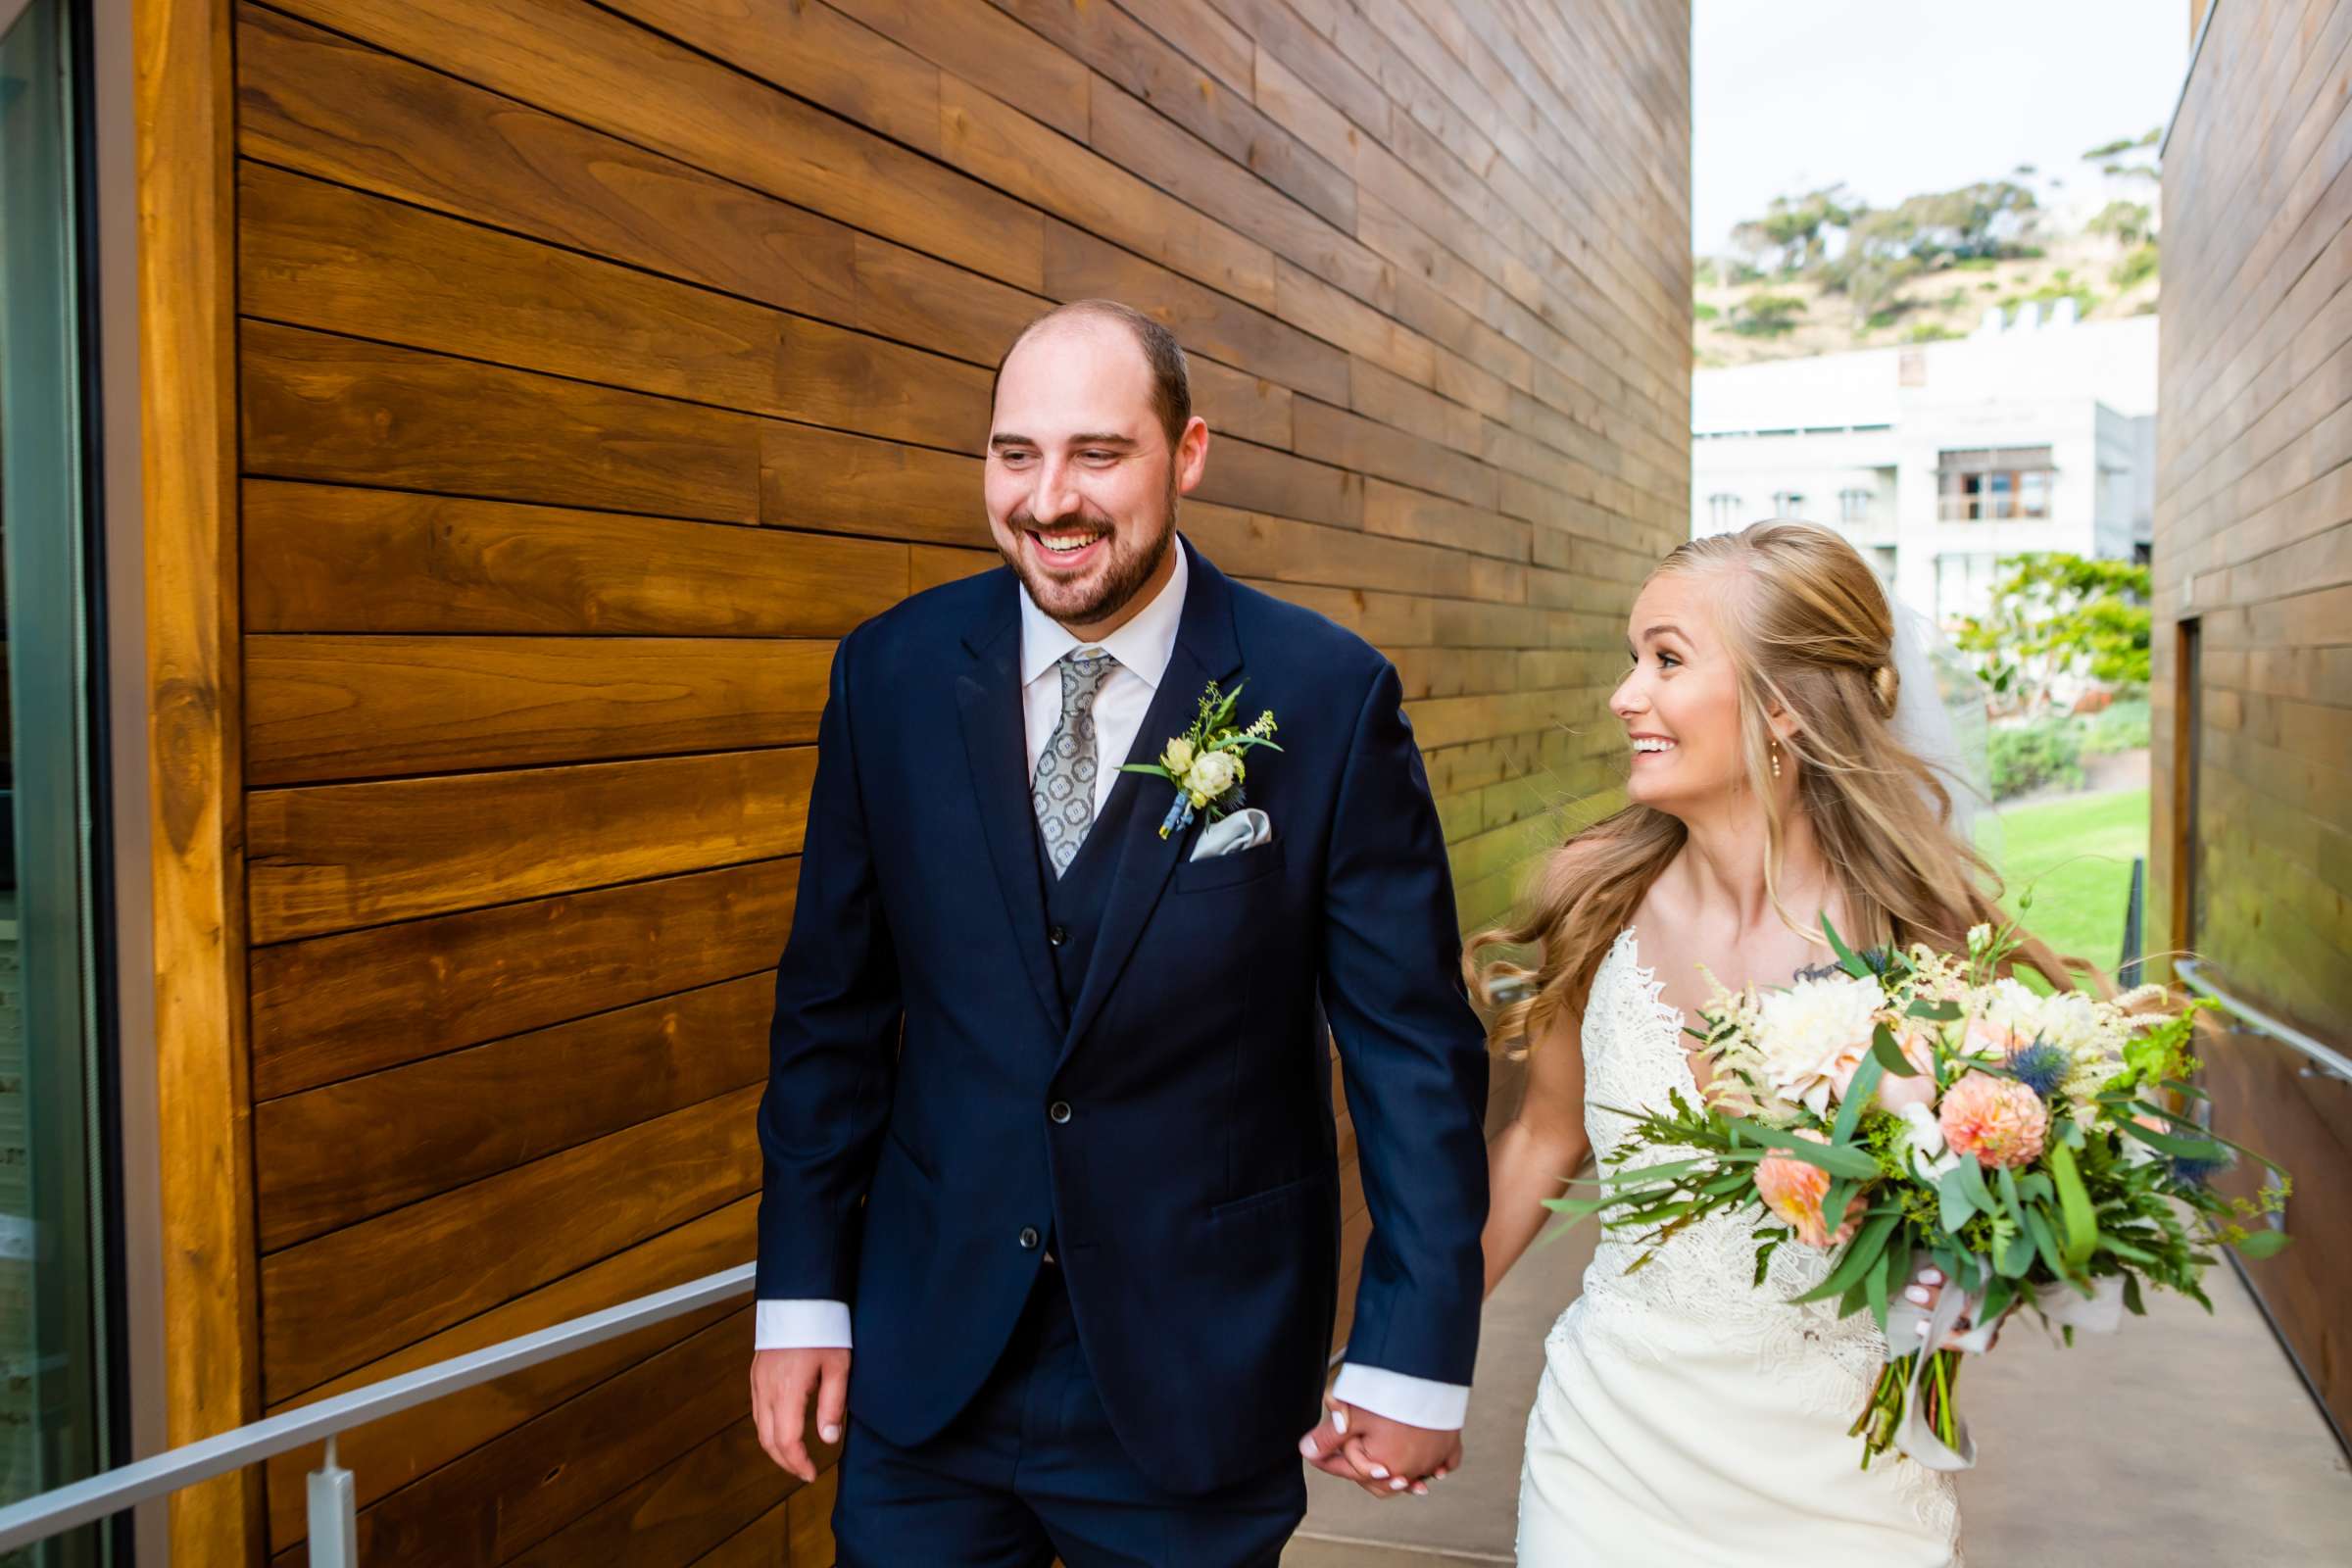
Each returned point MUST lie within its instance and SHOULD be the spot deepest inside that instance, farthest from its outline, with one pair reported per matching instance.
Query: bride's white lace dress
(1687, 1416)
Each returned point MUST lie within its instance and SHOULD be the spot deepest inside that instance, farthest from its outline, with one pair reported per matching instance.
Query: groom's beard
(1131, 565)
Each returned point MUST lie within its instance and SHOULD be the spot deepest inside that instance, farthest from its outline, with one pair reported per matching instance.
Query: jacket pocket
(1272, 1197)
(1228, 870)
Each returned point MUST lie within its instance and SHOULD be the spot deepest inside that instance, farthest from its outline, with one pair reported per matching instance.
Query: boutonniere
(1204, 762)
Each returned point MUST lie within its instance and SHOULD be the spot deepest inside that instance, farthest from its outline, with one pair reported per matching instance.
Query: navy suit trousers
(1032, 1470)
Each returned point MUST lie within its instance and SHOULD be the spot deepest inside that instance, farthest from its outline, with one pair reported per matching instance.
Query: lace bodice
(1635, 1056)
(1700, 1289)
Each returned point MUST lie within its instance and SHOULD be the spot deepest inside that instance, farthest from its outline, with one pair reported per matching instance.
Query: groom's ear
(1191, 454)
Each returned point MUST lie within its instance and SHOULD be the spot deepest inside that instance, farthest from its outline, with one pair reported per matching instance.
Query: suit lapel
(1207, 650)
(988, 696)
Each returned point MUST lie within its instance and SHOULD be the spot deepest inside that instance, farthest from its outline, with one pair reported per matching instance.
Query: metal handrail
(56, 1511)
(2192, 974)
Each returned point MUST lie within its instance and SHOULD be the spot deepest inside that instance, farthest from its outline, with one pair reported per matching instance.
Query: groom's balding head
(1161, 355)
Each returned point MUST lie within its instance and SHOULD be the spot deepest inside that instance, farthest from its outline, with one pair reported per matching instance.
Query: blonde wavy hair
(1811, 635)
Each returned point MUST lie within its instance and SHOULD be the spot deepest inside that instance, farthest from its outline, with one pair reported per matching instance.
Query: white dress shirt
(1142, 648)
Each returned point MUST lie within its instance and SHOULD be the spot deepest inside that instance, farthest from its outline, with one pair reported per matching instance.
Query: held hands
(1386, 1457)
(782, 1383)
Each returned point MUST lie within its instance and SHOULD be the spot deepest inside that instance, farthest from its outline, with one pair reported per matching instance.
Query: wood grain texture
(336, 1155)
(334, 1007)
(388, 1455)
(599, 364)
(330, 558)
(322, 707)
(2251, 851)
(185, 279)
(335, 857)
(357, 1293)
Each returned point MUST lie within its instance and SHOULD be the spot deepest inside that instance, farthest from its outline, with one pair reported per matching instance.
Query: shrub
(2026, 757)
(1766, 315)
(2121, 727)
(2138, 264)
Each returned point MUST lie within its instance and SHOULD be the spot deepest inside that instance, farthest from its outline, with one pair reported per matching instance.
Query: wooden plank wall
(601, 363)
(2253, 541)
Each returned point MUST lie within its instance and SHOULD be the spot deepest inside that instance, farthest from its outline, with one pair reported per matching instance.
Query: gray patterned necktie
(1063, 794)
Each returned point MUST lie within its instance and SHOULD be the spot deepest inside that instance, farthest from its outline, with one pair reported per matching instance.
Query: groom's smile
(1085, 461)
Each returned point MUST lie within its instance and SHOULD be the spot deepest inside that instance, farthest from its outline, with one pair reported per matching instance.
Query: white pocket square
(1245, 829)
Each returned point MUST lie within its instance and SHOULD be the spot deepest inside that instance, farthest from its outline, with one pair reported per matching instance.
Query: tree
(1887, 247)
(2128, 224)
(1766, 315)
(1794, 231)
(2057, 614)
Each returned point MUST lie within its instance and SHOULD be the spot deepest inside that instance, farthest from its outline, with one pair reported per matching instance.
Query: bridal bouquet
(1920, 1108)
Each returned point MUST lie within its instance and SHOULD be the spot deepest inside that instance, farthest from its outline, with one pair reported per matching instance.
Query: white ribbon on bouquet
(2060, 1305)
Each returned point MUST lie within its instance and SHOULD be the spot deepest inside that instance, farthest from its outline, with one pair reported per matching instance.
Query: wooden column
(187, 330)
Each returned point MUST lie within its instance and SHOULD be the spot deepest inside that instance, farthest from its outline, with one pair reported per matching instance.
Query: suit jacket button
(1058, 936)
(1060, 1110)
(1029, 1238)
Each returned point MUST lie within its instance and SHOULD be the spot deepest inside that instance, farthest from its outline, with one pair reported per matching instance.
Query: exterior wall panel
(598, 367)
(2252, 862)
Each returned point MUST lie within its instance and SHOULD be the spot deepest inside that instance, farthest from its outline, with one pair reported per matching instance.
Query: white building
(1943, 457)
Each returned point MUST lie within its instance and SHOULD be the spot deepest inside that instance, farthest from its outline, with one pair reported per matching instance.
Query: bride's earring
(1776, 758)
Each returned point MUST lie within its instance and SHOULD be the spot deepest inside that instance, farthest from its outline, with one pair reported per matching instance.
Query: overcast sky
(1895, 97)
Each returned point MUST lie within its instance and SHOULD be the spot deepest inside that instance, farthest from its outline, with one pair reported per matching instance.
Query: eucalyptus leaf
(1846, 959)
(1889, 1055)
(1958, 1207)
(1860, 1253)
(2260, 1245)
(1858, 1090)
(1854, 1162)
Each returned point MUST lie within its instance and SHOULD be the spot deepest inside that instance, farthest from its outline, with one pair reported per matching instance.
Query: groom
(1048, 1127)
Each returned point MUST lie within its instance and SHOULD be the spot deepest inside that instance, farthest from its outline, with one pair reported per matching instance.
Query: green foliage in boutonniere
(1204, 762)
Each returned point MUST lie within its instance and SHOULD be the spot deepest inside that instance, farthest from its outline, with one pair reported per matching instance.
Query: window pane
(52, 1401)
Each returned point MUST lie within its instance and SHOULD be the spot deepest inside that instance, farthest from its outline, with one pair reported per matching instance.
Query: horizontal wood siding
(599, 365)
(2252, 866)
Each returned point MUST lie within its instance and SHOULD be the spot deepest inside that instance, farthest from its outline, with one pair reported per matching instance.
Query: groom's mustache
(1074, 520)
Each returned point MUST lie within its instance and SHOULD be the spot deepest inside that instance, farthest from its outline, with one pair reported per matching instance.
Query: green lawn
(2072, 858)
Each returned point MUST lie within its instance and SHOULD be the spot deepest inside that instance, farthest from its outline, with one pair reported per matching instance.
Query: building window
(1991, 484)
(1853, 505)
(1788, 503)
(1722, 512)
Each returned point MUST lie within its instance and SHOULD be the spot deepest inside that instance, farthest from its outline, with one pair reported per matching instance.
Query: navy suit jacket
(1192, 1195)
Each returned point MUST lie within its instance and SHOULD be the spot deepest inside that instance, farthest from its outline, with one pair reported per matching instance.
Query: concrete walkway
(2183, 1442)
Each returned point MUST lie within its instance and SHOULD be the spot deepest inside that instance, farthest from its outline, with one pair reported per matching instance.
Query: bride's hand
(1927, 1288)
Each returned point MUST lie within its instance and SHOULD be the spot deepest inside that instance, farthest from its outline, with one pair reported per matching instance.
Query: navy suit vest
(1076, 899)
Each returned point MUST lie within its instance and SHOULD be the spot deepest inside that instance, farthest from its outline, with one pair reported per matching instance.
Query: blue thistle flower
(2041, 1067)
(2187, 1172)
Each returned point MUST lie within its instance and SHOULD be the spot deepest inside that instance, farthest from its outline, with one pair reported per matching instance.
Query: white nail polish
(1920, 1328)
(1916, 1295)
(1380, 1472)
(1339, 1422)
(1396, 1485)
(1306, 1445)
(831, 1433)
(1931, 1275)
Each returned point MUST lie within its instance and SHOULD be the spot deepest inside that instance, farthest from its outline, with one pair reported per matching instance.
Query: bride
(1686, 1415)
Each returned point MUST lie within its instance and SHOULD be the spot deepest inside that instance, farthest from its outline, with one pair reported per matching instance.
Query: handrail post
(334, 1515)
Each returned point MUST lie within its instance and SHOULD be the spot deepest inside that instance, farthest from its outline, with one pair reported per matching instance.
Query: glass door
(55, 1381)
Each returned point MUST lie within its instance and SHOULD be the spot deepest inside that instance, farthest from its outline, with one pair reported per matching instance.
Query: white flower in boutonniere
(1205, 763)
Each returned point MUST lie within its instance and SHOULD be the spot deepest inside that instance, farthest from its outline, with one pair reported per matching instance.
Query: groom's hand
(1387, 1459)
(782, 1383)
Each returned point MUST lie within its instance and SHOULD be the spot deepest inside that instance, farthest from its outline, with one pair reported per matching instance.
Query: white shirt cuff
(802, 1326)
(1415, 1401)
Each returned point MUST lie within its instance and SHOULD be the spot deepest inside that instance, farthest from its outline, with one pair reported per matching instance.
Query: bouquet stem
(1882, 1412)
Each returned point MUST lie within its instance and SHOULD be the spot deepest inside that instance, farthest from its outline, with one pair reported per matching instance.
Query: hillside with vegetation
(1821, 272)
